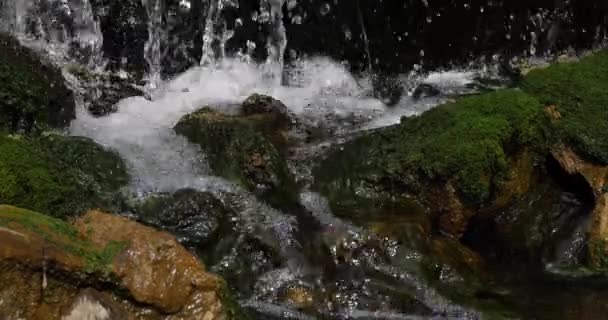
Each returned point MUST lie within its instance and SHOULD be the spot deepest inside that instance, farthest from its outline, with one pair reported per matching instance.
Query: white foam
(142, 130)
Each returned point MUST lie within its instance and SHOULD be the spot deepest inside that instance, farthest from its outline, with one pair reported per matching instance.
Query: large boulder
(240, 148)
(33, 95)
(109, 263)
(577, 100)
(195, 217)
(58, 175)
(457, 158)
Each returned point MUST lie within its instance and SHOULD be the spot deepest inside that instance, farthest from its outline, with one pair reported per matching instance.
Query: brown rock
(455, 215)
(298, 296)
(45, 263)
(155, 268)
(596, 177)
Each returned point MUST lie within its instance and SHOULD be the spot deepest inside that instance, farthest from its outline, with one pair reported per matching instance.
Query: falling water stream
(318, 92)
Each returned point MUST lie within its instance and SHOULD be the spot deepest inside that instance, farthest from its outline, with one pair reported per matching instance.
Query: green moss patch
(467, 142)
(57, 179)
(237, 150)
(33, 95)
(63, 236)
(579, 91)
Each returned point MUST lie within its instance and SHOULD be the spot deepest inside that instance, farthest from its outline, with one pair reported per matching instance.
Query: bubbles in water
(325, 9)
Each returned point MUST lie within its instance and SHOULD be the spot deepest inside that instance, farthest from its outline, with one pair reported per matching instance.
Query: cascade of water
(217, 32)
(66, 30)
(272, 14)
(88, 34)
(152, 48)
(8, 15)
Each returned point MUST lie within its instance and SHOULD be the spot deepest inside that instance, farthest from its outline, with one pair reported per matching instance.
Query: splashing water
(142, 130)
(152, 47)
(66, 31)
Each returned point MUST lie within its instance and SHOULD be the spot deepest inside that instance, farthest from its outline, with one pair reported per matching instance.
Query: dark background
(398, 30)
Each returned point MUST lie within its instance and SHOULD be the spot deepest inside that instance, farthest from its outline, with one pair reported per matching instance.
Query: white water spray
(152, 47)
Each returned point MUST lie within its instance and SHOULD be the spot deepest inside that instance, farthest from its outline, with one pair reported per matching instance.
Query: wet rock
(154, 268)
(33, 95)
(103, 91)
(453, 157)
(61, 176)
(388, 89)
(103, 167)
(576, 95)
(594, 180)
(136, 269)
(269, 115)
(241, 259)
(238, 149)
(424, 90)
(298, 295)
(91, 304)
(194, 217)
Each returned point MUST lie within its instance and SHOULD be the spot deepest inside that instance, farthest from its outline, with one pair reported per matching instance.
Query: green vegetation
(104, 166)
(63, 236)
(579, 91)
(238, 151)
(467, 142)
(33, 95)
(57, 175)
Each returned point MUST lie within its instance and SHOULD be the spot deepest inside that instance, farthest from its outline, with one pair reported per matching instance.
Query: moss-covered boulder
(456, 157)
(239, 150)
(136, 267)
(578, 96)
(58, 175)
(33, 95)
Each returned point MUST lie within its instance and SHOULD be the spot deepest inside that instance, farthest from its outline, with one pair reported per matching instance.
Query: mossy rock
(578, 94)
(33, 95)
(64, 241)
(467, 143)
(60, 176)
(239, 152)
(104, 166)
(106, 252)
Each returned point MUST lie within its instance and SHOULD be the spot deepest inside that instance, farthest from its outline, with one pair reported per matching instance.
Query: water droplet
(325, 8)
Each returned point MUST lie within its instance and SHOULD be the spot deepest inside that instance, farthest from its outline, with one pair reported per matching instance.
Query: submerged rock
(240, 148)
(33, 95)
(194, 217)
(57, 175)
(132, 271)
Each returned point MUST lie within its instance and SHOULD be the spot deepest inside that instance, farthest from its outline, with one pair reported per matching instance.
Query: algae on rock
(578, 94)
(238, 150)
(135, 266)
(465, 145)
(33, 95)
(60, 176)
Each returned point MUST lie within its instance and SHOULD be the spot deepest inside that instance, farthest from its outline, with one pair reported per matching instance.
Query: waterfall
(156, 34)
(272, 11)
(67, 31)
(217, 32)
